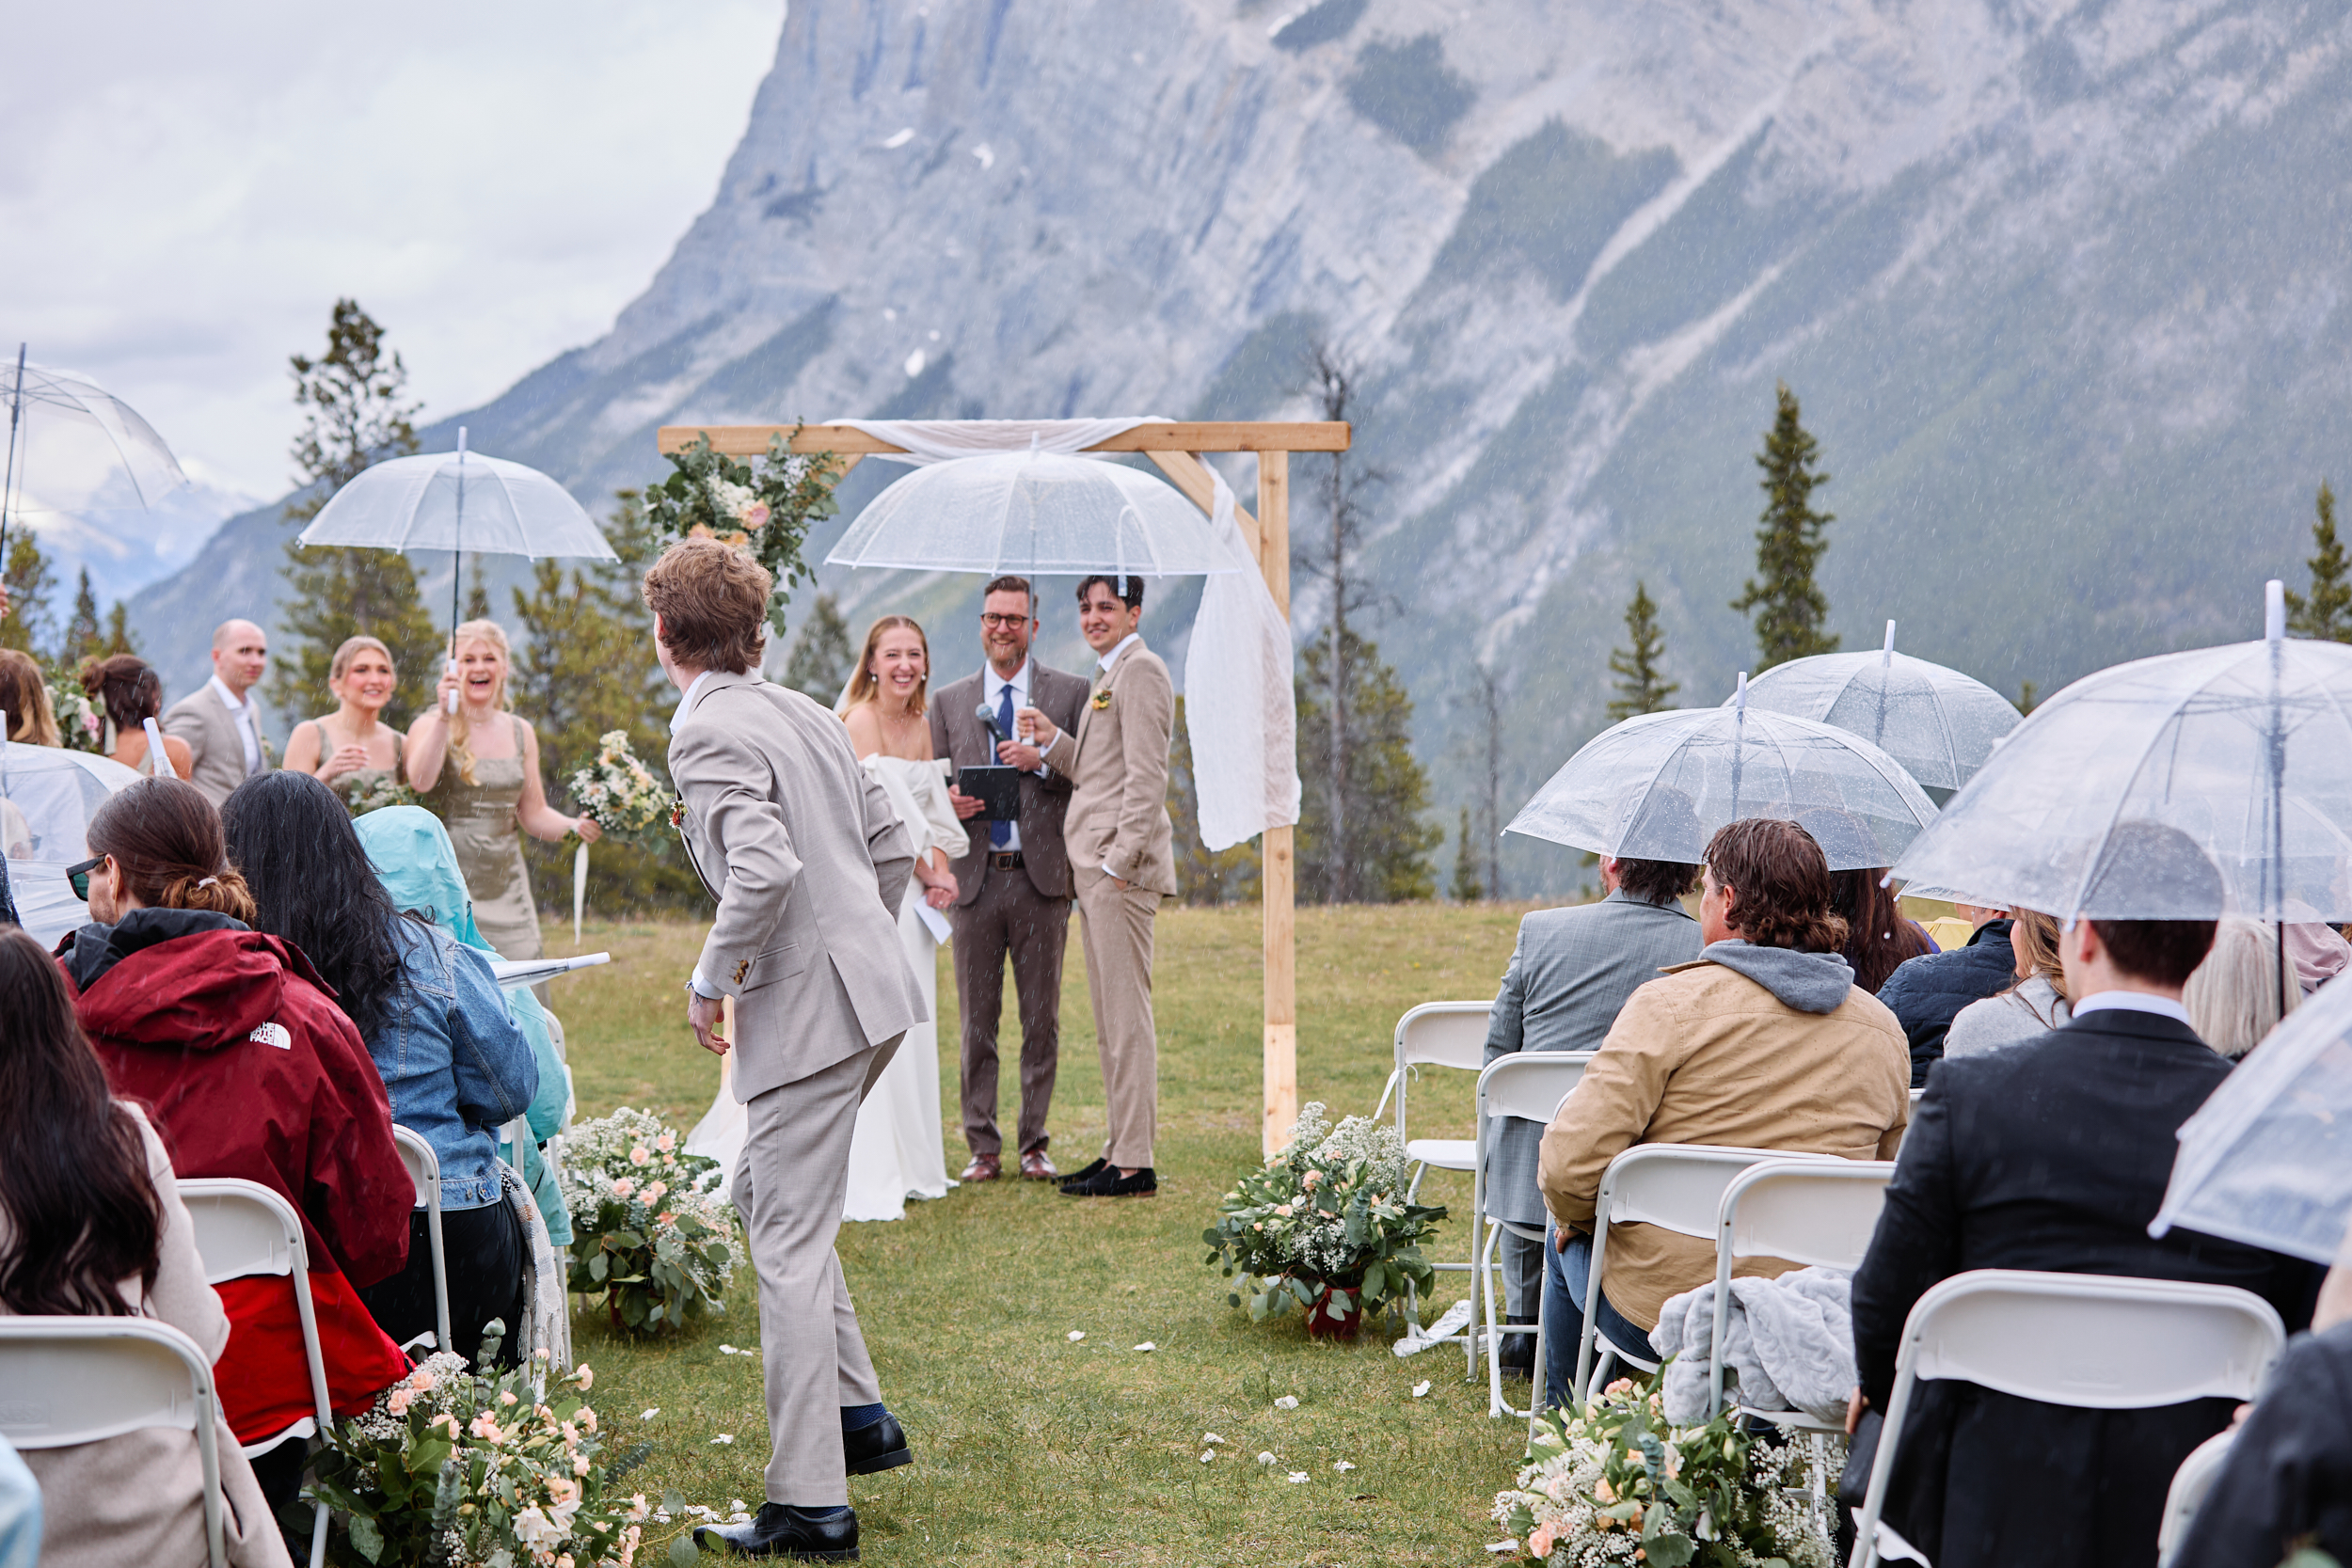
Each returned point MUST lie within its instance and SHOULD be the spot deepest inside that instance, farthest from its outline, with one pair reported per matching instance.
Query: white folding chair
(424, 1169)
(1915, 1094)
(1529, 1084)
(2093, 1341)
(65, 1380)
(2190, 1483)
(1449, 1035)
(243, 1229)
(1676, 1187)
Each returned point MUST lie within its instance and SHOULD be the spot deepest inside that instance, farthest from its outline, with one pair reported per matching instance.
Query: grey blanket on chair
(1788, 1345)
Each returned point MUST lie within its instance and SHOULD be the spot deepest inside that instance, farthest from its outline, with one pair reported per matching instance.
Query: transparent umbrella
(1939, 723)
(2246, 750)
(1657, 785)
(2267, 1159)
(75, 447)
(1035, 512)
(48, 794)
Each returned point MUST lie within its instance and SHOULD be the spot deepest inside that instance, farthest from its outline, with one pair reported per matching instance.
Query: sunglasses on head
(77, 877)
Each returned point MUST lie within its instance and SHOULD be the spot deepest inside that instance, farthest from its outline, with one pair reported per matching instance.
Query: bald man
(220, 720)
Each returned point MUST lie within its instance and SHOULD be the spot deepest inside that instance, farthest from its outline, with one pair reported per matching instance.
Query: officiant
(1013, 887)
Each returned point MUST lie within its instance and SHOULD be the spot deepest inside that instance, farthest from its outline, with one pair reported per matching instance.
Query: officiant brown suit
(1011, 898)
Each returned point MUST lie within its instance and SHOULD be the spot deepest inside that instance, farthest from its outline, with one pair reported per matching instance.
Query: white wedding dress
(899, 1151)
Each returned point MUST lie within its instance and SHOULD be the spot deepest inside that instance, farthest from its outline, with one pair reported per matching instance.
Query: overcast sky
(186, 189)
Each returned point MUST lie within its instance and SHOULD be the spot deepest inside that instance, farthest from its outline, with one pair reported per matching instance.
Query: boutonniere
(677, 812)
(1101, 700)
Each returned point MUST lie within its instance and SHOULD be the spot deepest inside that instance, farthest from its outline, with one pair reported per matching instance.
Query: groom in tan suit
(807, 863)
(1123, 862)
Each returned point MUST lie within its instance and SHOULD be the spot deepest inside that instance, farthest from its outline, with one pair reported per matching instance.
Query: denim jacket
(452, 1061)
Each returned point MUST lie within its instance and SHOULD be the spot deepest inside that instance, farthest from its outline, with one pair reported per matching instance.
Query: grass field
(1031, 1449)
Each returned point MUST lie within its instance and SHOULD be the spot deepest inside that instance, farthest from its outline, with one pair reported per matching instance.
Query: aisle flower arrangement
(650, 1233)
(617, 792)
(768, 510)
(1614, 1482)
(1325, 1224)
(476, 1469)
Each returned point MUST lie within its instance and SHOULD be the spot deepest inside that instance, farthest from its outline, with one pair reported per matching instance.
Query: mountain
(2064, 289)
(126, 549)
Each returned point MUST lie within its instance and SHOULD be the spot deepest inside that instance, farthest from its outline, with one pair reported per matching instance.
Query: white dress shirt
(993, 690)
(241, 713)
(2131, 1001)
(686, 700)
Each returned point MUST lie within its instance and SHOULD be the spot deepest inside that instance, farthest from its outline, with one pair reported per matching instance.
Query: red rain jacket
(248, 1069)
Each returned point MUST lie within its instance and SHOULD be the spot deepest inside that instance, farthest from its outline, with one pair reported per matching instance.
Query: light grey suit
(1569, 975)
(204, 721)
(807, 861)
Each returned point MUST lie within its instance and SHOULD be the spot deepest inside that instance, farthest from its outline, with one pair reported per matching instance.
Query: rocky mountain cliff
(2063, 287)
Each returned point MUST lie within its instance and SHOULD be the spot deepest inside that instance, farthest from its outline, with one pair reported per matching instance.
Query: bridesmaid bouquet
(79, 726)
(617, 792)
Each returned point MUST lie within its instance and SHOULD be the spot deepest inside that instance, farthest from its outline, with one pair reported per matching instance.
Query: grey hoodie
(1809, 982)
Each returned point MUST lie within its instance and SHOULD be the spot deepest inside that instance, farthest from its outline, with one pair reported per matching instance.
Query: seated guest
(454, 1065)
(2033, 1006)
(1879, 938)
(91, 1226)
(24, 699)
(1764, 1042)
(1927, 991)
(2054, 1155)
(246, 1068)
(1572, 970)
(127, 693)
(2233, 998)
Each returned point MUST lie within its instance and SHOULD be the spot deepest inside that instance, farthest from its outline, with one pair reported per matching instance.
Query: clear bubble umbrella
(1657, 785)
(1939, 723)
(48, 795)
(74, 447)
(2246, 750)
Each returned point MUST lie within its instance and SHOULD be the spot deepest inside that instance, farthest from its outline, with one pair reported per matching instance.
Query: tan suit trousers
(789, 1185)
(1115, 926)
(1009, 916)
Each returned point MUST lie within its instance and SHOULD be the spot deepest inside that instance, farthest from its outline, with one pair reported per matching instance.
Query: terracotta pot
(1337, 1314)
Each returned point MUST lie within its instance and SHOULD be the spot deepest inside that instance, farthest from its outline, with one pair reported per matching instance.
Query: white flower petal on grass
(1147, 1345)
(1503, 1548)
(1207, 1454)
(1298, 1477)
(1342, 1466)
(1288, 1402)
(1075, 1335)
(737, 1505)
(725, 1437)
(1211, 1439)
(649, 1415)
(729, 1350)
(1420, 1391)
(1266, 1459)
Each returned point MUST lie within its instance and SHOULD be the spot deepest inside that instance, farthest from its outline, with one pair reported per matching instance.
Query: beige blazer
(807, 863)
(202, 720)
(1118, 765)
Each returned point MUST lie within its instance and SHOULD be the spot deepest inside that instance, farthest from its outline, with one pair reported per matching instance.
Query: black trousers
(484, 1258)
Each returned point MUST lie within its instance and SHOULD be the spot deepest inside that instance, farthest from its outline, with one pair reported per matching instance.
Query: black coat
(2052, 1155)
(2290, 1468)
(1927, 992)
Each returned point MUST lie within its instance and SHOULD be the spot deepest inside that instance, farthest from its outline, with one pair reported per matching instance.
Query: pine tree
(1388, 846)
(2028, 697)
(1789, 608)
(1229, 876)
(821, 654)
(119, 639)
(1642, 687)
(82, 638)
(30, 581)
(477, 594)
(1466, 887)
(2327, 614)
(357, 417)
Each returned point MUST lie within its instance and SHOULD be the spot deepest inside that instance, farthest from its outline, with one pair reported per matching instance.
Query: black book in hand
(996, 787)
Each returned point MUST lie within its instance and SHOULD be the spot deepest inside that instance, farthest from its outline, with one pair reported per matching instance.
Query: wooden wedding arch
(1175, 447)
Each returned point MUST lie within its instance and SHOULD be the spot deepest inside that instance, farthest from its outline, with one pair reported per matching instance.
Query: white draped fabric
(1240, 708)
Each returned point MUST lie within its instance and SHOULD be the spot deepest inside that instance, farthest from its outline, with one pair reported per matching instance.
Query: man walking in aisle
(1121, 862)
(1013, 887)
(807, 861)
(220, 720)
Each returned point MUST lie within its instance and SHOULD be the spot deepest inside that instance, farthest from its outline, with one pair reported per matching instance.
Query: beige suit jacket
(807, 861)
(202, 720)
(1118, 765)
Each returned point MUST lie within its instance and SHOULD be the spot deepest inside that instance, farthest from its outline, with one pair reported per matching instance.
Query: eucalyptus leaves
(765, 506)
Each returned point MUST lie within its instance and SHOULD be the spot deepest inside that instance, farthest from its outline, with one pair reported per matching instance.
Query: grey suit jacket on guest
(808, 864)
(957, 735)
(204, 721)
(1569, 977)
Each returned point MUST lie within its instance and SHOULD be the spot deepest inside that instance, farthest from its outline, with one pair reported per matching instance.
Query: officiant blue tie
(1000, 833)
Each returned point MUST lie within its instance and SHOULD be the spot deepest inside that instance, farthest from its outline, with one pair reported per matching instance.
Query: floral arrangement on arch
(617, 792)
(80, 726)
(767, 510)
(1325, 1224)
(1615, 1483)
(457, 1468)
(651, 1232)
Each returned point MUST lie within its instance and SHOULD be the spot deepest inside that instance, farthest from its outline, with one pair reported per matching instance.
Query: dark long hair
(313, 885)
(81, 1215)
(1878, 935)
(126, 686)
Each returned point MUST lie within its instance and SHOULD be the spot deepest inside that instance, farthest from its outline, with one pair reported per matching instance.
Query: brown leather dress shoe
(1036, 1167)
(984, 1167)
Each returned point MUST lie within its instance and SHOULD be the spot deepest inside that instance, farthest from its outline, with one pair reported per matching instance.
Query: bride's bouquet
(617, 792)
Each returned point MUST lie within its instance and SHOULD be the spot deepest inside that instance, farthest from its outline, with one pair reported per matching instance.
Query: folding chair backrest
(1677, 1187)
(79, 1380)
(1530, 1085)
(2093, 1340)
(1444, 1034)
(1808, 1211)
(424, 1166)
(242, 1228)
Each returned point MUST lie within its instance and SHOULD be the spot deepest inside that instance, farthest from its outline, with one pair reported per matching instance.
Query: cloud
(188, 189)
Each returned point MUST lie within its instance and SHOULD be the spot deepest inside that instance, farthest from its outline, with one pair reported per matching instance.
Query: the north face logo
(272, 1034)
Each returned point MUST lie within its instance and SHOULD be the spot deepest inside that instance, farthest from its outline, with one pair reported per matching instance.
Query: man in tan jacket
(1122, 860)
(1763, 1041)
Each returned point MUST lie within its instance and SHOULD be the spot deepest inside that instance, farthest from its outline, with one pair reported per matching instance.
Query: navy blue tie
(1000, 833)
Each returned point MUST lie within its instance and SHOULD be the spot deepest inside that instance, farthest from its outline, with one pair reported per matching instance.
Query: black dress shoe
(779, 1529)
(1079, 1178)
(1108, 1183)
(874, 1446)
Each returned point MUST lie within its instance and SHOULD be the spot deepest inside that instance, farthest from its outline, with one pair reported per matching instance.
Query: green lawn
(1031, 1449)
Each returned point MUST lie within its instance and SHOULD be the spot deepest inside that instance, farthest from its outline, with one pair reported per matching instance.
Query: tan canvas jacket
(1118, 761)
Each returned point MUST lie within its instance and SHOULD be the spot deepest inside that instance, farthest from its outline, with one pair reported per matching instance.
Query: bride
(899, 1149)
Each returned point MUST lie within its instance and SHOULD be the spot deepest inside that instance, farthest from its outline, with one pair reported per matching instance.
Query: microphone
(987, 716)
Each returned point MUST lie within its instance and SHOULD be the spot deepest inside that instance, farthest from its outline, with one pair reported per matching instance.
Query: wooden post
(1278, 874)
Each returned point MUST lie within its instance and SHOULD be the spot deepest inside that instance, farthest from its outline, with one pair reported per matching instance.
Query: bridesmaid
(352, 748)
(128, 694)
(478, 770)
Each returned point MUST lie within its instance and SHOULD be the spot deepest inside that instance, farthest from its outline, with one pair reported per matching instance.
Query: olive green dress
(487, 836)
(361, 780)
